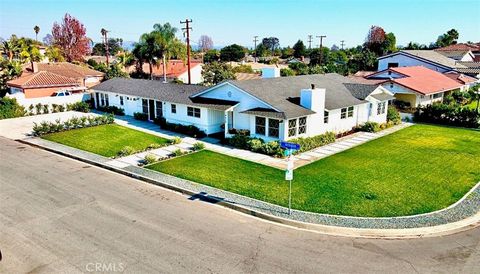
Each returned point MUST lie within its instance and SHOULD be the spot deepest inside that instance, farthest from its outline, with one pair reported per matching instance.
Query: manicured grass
(105, 140)
(416, 170)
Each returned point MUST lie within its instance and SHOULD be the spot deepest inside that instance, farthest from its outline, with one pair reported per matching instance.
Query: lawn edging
(462, 215)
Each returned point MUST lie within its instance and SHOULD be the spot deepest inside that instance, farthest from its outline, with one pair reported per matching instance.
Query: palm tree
(169, 45)
(10, 48)
(37, 30)
(149, 50)
(104, 34)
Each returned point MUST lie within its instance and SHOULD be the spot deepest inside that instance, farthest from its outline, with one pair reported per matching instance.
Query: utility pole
(321, 41)
(310, 41)
(255, 40)
(187, 29)
(342, 43)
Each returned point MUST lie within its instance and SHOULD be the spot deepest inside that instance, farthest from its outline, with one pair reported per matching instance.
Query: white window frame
(194, 112)
(264, 126)
(270, 128)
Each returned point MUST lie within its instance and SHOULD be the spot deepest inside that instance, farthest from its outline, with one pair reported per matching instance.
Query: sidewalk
(460, 216)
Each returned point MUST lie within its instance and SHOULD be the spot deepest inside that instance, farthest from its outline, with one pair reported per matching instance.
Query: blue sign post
(289, 149)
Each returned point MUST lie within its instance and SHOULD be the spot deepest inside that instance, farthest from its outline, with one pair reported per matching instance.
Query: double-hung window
(158, 109)
(273, 127)
(260, 125)
(121, 100)
(302, 125)
(193, 112)
(350, 112)
(343, 113)
(325, 117)
(173, 108)
(292, 127)
(145, 106)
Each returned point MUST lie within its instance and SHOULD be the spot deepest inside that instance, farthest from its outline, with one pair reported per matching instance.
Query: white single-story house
(416, 85)
(272, 109)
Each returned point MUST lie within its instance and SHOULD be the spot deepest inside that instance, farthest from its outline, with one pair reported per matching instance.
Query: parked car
(61, 93)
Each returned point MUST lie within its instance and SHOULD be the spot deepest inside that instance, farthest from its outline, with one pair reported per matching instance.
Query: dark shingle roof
(283, 93)
(360, 91)
(170, 92)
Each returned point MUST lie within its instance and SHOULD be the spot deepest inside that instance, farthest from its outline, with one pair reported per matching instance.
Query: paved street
(63, 216)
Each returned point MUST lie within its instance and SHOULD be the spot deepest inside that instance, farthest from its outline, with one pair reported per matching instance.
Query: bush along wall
(453, 115)
(140, 116)
(309, 143)
(189, 130)
(72, 123)
(113, 110)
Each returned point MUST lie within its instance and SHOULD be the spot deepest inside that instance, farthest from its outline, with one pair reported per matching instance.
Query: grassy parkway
(418, 169)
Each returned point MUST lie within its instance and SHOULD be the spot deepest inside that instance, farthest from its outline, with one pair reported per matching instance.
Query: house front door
(151, 110)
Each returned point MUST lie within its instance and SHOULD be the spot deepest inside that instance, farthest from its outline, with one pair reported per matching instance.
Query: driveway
(21, 128)
(58, 215)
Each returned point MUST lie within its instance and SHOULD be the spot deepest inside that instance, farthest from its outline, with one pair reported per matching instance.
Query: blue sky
(235, 21)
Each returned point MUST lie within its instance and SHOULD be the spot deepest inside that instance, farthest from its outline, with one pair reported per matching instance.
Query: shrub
(9, 108)
(198, 146)
(61, 108)
(72, 123)
(45, 109)
(113, 109)
(38, 108)
(54, 108)
(149, 159)
(309, 143)
(125, 151)
(79, 106)
(176, 140)
(255, 144)
(453, 115)
(178, 152)
(154, 146)
(189, 130)
(393, 115)
(238, 141)
(140, 116)
(370, 127)
(30, 110)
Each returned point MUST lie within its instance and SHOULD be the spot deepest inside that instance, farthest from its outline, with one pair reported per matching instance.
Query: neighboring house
(470, 68)
(416, 85)
(474, 48)
(41, 84)
(241, 76)
(465, 80)
(458, 55)
(85, 76)
(175, 70)
(273, 109)
(408, 58)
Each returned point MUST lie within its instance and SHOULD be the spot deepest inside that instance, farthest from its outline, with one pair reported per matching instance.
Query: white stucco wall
(195, 74)
(407, 61)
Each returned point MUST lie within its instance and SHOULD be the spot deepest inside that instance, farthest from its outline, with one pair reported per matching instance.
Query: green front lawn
(105, 140)
(416, 170)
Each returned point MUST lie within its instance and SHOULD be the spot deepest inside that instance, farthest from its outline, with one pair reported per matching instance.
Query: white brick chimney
(313, 99)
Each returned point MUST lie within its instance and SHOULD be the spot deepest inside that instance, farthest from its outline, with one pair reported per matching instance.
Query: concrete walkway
(213, 144)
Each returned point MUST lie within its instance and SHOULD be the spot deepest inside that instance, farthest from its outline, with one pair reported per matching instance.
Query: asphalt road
(58, 215)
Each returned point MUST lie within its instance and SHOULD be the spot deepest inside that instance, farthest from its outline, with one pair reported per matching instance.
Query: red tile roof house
(416, 85)
(44, 81)
(175, 70)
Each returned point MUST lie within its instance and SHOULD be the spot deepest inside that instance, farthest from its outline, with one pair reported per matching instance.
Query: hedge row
(309, 143)
(258, 145)
(453, 115)
(72, 123)
(189, 130)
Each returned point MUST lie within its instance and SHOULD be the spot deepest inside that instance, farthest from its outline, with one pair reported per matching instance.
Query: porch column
(225, 118)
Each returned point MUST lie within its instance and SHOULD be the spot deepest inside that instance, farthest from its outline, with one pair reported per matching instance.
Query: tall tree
(375, 40)
(10, 48)
(271, 43)
(169, 45)
(31, 53)
(390, 43)
(54, 54)
(113, 47)
(216, 72)
(205, 43)
(233, 52)
(447, 39)
(70, 36)
(299, 49)
(37, 30)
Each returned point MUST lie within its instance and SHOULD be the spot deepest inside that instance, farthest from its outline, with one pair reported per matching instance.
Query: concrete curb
(403, 233)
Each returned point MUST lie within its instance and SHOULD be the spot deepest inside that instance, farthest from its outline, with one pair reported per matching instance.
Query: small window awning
(383, 97)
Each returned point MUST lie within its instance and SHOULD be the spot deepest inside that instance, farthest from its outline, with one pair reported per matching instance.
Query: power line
(187, 29)
(342, 43)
